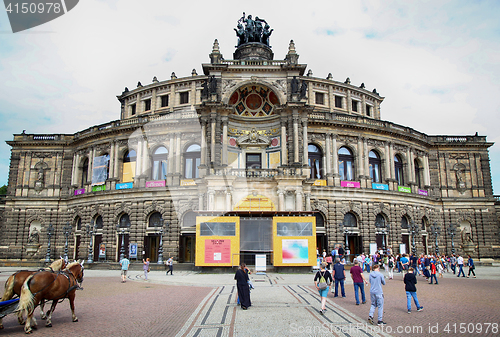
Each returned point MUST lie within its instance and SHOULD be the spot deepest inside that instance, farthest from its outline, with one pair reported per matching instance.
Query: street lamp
(50, 232)
(414, 232)
(67, 231)
(160, 248)
(90, 232)
(451, 232)
(435, 230)
(346, 231)
(121, 227)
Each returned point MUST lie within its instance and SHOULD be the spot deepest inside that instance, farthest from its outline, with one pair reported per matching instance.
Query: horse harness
(70, 287)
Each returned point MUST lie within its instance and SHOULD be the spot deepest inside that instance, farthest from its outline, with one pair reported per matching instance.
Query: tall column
(281, 200)
(295, 138)
(284, 143)
(138, 163)
(335, 156)
(228, 201)
(212, 138)
(211, 200)
(305, 159)
(363, 105)
(408, 166)
(412, 168)
(145, 157)
(117, 160)
(387, 173)
(91, 165)
(171, 154)
(331, 98)
(360, 165)
(349, 101)
(203, 159)
(111, 160)
(427, 180)
(366, 158)
(224, 140)
(308, 201)
(391, 154)
(73, 171)
(178, 154)
(328, 156)
(200, 202)
(298, 201)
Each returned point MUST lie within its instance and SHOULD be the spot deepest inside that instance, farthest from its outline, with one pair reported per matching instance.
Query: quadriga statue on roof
(253, 31)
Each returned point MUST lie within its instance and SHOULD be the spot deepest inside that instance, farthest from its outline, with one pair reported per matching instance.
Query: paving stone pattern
(189, 304)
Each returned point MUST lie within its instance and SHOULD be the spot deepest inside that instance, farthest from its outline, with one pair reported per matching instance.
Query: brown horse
(16, 280)
(50, 287)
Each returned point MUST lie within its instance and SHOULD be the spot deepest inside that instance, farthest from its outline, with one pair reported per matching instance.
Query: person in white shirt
(460, 262)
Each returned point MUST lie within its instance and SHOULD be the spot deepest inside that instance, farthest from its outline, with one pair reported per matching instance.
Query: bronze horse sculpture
(47, 286)
(15, 282)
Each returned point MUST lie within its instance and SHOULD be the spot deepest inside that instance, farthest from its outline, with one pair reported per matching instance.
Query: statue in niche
(460, 176)
(295, 85)
(241, 34)
(466, 236)
(303, 90)
(212, 85)
(204, 91)
(266, 34)
(34, 237)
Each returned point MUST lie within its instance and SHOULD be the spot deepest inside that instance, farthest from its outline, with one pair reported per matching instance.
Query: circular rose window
(253, 101)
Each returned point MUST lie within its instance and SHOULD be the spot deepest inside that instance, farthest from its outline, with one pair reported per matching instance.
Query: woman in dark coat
(241, 278)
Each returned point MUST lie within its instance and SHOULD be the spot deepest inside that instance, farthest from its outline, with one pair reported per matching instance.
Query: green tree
(3, 190)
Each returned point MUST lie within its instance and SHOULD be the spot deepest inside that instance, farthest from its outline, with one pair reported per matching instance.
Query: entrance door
(188, 248)
(379, 239)
(151, 244)
(406, 240)
(97, 242)
(78, 241)
(321, 243)
(256, 237)
(424, 243)
(355, 246)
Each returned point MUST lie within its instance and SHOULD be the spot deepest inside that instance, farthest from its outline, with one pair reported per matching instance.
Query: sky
(437, 63)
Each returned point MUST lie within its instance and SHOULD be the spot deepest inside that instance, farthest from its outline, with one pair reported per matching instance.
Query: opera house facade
(255, 156)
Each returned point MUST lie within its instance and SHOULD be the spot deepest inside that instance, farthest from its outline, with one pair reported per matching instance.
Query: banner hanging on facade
(100, 170)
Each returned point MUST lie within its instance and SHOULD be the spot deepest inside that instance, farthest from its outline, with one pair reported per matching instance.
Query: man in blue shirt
(376, 295)
(404, 263)
(339, 277)
(124, 263)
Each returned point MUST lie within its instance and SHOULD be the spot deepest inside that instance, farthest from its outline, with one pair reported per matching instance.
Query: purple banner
(354, 184)
(80, 191)
(423, 192)
(156, 183)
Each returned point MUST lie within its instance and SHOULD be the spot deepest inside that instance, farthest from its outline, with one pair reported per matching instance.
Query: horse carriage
(55, 283)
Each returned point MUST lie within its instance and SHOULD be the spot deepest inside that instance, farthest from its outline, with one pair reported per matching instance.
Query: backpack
(391, 264)
(322, 282)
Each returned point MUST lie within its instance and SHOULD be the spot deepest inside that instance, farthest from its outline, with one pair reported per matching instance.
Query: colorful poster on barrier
(295, 251)
(218, 251)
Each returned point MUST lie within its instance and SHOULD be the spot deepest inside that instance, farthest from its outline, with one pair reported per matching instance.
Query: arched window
(154, 219)
(315, 161)
(78, 224)
(128, 169)
(346, 163)
(159, 164)
(418, 172)
(404, 222)
(99, 222)
(320, 221)
(189, 219)
(380, 221)
(192, 159)
(398, 170)
(350, 220)
(85, 172)
(374, 165)
(124, 221)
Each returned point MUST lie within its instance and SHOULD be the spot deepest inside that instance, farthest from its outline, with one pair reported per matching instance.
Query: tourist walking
(460, 262)
(242, 279)
(359, 282)
(322, 281)
(145, 267)
(339, 277)
(391, 267)
(433, 272)
(410, 281)
(453, 263)
(124, 263)
(470, 263)
(170, 265)
(376, 295)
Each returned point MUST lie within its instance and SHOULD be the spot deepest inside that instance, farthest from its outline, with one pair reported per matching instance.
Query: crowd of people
(431, 267)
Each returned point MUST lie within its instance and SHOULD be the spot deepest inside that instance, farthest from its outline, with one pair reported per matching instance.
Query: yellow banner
(128, 172)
